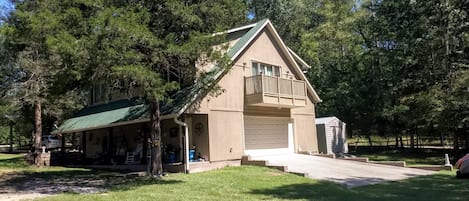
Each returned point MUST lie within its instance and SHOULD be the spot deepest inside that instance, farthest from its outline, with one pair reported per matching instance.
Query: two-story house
(267, 107)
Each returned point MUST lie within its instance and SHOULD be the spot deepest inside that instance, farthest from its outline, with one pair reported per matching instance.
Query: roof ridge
(246, 38)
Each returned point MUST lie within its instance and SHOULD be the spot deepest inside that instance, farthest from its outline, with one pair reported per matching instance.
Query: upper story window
(265, 69)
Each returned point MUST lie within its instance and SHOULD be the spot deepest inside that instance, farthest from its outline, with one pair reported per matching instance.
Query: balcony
(270, 91)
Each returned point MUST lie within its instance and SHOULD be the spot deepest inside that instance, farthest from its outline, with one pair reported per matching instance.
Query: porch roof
(105, 115)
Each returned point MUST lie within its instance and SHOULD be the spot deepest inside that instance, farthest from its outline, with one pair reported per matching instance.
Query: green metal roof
(244, 40)
(106, 115)
(103, 118)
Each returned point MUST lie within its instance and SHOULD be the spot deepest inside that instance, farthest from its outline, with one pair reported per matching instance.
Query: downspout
(186, 142)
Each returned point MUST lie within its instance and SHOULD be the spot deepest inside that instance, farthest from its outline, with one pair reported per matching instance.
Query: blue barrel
(191, 155)
(172, 157)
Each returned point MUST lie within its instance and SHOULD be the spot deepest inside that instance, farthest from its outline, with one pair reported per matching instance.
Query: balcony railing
(275, 91)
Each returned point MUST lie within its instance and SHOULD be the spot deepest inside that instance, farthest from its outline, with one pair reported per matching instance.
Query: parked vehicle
(463, 167)
(51, 142)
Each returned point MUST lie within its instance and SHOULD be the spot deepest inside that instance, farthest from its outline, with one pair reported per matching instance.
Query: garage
(268, 135)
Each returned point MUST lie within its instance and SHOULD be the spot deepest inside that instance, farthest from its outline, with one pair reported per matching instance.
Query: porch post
(186, 136)
(143, 160)
(186, 140)
(111, 143)
(83, 144)
(62, 149)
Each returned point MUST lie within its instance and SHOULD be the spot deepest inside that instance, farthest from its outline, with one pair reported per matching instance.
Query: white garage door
(264, 135)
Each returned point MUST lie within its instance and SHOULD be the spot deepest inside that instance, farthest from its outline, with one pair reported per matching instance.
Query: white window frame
(262, 68)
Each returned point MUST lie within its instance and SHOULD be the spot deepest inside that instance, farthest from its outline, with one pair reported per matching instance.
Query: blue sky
(5, 4)
(5, 7)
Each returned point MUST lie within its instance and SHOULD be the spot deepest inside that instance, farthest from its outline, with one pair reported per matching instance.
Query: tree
(180, 31)
(152, 45)
(291, 18)
(25, 55)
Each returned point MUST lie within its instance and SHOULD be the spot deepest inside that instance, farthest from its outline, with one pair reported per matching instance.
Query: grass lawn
(16, 163)
(258, 183)
(11, 162)
(411, 157)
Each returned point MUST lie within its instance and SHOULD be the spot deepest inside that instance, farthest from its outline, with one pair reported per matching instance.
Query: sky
(5, 7)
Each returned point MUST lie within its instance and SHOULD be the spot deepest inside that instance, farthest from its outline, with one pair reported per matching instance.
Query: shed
(332, 138)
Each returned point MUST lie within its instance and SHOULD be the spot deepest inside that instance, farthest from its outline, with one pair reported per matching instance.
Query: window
(265, 69)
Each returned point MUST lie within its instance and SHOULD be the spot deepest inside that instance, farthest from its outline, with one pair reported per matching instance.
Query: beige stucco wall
(226, 135)
(264, 51)
(304, 122)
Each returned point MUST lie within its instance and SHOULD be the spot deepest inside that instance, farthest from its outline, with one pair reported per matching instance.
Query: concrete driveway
(348, 173)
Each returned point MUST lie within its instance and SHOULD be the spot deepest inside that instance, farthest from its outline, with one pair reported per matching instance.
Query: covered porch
(118, 138)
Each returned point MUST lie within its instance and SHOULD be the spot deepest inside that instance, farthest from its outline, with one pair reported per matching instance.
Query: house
(267, 107)
(331, 136)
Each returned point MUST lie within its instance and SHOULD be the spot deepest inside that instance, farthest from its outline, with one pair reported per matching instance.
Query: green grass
(256, 183)
(9, 162)
(250, 183)
(410, 156)
(16, 163)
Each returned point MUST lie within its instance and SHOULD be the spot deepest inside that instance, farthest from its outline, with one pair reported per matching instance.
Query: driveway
(348, 173)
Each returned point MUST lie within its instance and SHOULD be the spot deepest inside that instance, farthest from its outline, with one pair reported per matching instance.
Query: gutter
(186, 142)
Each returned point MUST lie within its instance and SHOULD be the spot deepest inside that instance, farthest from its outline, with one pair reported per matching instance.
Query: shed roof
(325, 120)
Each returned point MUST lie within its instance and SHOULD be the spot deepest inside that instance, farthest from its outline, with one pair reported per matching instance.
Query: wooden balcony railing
(275, 91)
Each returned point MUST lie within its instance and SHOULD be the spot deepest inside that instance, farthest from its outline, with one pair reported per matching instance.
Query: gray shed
(331, 135)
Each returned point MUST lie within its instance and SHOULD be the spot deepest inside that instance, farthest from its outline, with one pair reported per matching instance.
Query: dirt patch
(31, 185)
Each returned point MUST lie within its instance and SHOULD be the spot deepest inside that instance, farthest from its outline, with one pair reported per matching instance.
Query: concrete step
(247, 160)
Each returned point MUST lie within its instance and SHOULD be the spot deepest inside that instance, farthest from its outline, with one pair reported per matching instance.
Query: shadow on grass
(13, 163)
(321, 190)
(411, 156)
(433, 187)
(356, 181)
(441, 186)
(64, 180)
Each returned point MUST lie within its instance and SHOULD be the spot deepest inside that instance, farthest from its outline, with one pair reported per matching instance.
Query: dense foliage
(390, 68)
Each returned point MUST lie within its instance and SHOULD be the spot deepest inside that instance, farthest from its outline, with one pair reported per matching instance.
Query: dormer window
(265, 69)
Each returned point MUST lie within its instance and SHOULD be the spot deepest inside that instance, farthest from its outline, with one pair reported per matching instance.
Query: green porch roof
(104, 115)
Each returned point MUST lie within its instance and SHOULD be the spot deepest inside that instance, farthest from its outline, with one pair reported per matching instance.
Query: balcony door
(265, 69)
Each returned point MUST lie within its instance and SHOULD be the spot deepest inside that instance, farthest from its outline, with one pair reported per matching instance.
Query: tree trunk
(442, 141)
(370, 141)
(11, 137)
(37, 126)
(455, 142)
(456, 152)
(466, 137)
(412, 142)
(156, 167)
(400, 140)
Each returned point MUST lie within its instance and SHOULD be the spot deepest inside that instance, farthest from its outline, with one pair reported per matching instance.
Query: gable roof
(235, 52)
(302, 64)
(118, 112)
